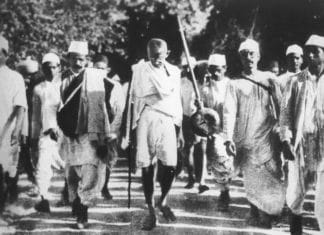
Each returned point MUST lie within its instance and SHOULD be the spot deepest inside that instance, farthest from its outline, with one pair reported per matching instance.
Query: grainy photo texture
(162, 117)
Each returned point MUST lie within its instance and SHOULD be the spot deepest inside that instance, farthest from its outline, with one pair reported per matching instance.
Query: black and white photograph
(162, 117)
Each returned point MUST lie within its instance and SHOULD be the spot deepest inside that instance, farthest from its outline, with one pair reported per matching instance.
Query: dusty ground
(196, 214)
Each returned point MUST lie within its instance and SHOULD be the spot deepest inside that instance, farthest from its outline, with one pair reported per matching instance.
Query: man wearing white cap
(44, 129)
(12, 111)
(302, 133)
(294, 60)
(77, 62)
(84, 120)
(250, 115)
(212, 93)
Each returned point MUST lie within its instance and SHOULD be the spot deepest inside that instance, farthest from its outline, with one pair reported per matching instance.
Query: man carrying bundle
(212, 93)
(84, 120)
(157, 114)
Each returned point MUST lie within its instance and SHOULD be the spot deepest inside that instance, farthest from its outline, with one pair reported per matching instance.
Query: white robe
(249, 123)
(302, 123)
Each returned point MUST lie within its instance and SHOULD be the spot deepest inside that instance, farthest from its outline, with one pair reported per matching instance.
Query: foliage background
(121, 28)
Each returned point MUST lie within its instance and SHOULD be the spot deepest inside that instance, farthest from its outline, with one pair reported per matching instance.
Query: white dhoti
(301, 174)
(156, 139)
(48, 157)
(82, 168)
(219, 162)
(9, 156)
(264, 187)
(84, 181)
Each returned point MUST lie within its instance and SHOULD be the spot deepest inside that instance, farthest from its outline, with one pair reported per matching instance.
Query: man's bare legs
(166, 175)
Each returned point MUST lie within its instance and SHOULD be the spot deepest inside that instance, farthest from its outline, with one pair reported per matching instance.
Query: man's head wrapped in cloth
(249, 54)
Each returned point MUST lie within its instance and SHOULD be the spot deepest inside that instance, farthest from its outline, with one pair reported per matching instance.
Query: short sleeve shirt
(12, 93)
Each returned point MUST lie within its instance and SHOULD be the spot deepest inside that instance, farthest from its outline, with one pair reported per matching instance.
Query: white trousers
(48, 157)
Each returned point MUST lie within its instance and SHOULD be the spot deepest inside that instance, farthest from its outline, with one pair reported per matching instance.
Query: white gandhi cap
(4, 45)
(295, 49)
(249, 45)
(315, 40)
(80, 47)
(51, 57)
(217, 59)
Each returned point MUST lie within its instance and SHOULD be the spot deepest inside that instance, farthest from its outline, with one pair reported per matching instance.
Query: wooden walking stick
(126, 131)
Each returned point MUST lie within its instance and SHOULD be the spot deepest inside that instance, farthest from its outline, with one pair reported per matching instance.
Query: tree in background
(274, 24)
(121, 28)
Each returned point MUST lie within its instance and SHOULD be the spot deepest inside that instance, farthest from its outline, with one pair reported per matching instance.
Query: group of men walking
(256, 122)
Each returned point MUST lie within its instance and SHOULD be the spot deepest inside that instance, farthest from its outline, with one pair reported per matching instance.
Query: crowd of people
(267, 127)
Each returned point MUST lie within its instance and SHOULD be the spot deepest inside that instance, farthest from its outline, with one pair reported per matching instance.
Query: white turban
(250, 45)
(217, 59)
(315, 40)
(80, 47)
(294, 49)
(51, 57)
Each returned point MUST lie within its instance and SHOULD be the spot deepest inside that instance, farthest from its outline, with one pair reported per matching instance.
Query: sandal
(167, 213)
(149, 222)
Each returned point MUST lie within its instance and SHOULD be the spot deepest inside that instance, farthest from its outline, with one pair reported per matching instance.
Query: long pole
(186, 50)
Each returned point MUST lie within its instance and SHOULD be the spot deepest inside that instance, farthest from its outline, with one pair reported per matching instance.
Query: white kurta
(46, 101)
(284, 78)
(248, 121)
(302, 123)
(93, 123)
(12, 94)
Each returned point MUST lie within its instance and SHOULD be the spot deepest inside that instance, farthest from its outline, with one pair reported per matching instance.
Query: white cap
(315, 40)
(217, 59)
(51, 57)
(28, 65)
(80, 47)
(294, 49)
(250, 45)
(4, 45)
(192, 61)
